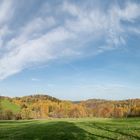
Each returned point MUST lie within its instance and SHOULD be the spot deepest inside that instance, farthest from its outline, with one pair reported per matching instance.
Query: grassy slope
(6, 104)
(71, 129)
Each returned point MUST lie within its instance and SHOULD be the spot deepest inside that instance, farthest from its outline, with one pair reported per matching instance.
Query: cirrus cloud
(62, 34)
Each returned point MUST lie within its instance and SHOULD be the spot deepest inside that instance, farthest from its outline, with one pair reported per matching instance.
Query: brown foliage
(43, 106)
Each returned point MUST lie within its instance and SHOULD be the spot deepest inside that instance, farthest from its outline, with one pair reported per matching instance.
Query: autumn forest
(44, 106)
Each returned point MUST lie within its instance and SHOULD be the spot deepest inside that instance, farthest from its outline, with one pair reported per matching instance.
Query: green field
(71, 129)
(7, 105)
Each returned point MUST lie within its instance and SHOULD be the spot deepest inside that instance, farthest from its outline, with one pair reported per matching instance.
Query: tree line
(44, 106)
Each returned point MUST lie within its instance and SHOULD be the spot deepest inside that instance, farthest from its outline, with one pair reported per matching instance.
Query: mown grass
(71, 129)
(7, 105)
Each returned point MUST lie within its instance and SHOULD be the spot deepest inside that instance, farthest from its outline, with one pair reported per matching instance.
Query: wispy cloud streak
(66, 34)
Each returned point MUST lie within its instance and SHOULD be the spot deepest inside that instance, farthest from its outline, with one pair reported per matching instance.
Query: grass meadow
(71, 129)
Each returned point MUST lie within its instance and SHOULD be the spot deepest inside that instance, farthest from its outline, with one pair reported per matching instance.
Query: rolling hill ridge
(45, 106)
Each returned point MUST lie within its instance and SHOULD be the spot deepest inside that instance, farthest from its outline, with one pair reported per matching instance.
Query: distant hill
(34, 98)
(44, 106)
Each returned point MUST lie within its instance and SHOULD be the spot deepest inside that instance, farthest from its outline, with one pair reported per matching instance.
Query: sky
(73, 50)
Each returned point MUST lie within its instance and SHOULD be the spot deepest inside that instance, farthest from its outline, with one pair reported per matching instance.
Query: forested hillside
(44, 106)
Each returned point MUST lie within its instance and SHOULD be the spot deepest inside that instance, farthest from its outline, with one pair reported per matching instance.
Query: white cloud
(32, 30)
(6, 10)
(130, 12)
(35, 79)
(42, 39)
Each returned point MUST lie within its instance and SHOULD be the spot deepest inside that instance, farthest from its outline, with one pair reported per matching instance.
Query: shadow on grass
(49, 131)
(45, 131)
(38, 130)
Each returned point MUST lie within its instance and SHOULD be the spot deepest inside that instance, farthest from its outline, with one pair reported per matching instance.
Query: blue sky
(70, 49)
